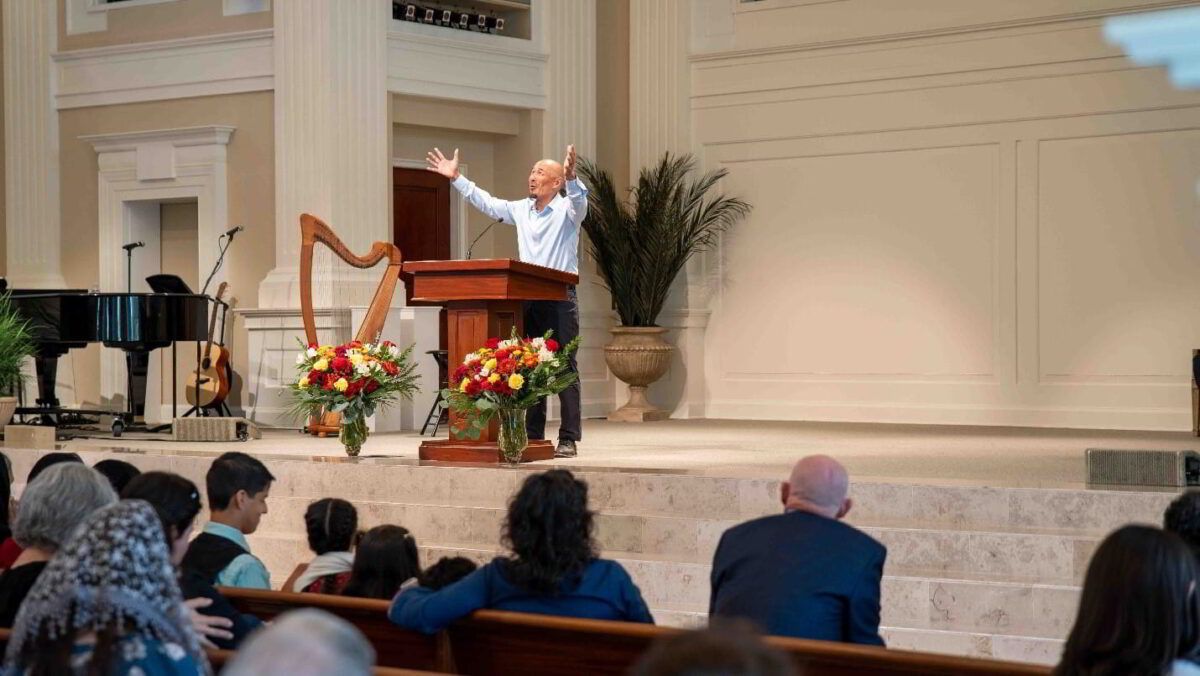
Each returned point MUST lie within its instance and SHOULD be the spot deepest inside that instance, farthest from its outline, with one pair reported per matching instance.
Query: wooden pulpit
(483, 300)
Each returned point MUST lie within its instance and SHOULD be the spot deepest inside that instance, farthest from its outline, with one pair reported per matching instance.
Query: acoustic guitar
(208, 385)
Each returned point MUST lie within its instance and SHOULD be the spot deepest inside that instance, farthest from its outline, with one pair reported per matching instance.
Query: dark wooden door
(421, 220)
(421, 203)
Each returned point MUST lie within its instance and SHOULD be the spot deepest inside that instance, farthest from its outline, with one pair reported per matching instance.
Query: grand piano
(137, 323)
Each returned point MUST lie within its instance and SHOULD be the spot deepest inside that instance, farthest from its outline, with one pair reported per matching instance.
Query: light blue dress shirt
(246, 570)
(549, 237)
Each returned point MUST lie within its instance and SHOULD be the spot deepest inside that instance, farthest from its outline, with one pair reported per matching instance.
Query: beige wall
(164, 21)
(251, 175)
(964, 213)
(3, 211)
(178, 222)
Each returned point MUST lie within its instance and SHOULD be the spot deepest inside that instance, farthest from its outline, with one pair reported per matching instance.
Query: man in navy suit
(803, 573)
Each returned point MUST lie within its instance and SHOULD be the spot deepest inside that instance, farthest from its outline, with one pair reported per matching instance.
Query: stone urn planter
(8, 406)
(638, 356)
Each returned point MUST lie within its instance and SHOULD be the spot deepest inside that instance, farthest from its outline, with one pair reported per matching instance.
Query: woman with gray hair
(51, 509)
(306, 642)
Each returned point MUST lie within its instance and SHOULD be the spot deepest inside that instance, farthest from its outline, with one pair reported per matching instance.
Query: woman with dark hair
(176, 501)
(554, 568)
(1138, 613)
(332, 524)
(118, 472)
(386, 558)
(108, 603)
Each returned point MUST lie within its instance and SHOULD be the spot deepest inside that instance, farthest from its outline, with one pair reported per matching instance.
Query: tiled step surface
(971, 570)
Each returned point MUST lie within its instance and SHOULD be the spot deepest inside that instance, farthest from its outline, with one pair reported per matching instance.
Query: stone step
(933, 602)
(664, 494)
(1039, 557)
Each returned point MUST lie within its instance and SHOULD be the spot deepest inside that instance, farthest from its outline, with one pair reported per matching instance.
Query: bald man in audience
(803, 573)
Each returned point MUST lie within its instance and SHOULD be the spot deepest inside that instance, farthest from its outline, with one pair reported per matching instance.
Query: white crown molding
(151, 71)
(179, 137)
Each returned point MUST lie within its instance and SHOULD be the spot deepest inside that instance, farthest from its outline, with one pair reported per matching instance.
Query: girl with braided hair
(332, 525)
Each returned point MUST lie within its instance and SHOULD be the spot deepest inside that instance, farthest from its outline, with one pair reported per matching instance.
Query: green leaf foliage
(16, 344)
(640, 244)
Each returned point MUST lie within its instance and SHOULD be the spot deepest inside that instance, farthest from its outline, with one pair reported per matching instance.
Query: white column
(333, 160)
(570, 37)
(32, 219)
(332, 142)
(659, 121)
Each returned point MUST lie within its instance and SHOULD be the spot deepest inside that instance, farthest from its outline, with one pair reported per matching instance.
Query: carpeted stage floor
(1016, 457)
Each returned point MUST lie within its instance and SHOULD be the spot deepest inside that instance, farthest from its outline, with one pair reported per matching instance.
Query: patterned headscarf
(115, 571)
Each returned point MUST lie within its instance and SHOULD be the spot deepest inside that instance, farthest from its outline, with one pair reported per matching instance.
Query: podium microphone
(132, 245)
(233, 231)
(480, 236)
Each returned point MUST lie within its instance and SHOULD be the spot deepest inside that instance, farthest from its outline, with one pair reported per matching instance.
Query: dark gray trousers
(561, 316)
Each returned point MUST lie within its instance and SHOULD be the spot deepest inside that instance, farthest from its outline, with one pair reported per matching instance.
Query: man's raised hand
(569, 164)
(439, 163)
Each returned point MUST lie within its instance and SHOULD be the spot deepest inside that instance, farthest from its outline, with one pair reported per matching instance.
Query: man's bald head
(818, 484)
(545, 180)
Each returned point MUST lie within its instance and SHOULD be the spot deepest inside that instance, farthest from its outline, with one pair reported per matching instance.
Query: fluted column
(658, 80)
(332, 141)
(570, 30)
(32, 218)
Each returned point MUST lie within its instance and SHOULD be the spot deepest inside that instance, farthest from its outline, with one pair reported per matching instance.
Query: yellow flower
(303, 381)
(516, 381)
(356, 358)
(321, 364)
(341, 385)
(490, 364)
(494, 378)
(462, 387)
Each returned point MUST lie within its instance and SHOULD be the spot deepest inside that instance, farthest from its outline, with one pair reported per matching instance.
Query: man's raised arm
(479, 198)
(577, 192)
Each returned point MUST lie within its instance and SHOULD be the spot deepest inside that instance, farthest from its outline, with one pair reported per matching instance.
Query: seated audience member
(306, 642)
(447, 571)
(9, 549)
(1183, 519)
(554, 568)
(118, 472)
(332, 524)
(7, 510)
(385, 559)
(52, 508)
(803, 573)
(238, 486)
(1138, 612)
(176, 500)
(725, 651)
(108, 603)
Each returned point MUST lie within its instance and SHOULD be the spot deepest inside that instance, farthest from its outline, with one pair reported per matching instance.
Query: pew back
(499, 642)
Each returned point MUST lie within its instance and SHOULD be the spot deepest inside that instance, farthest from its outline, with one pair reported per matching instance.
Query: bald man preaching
(548, 235)
(803, 573)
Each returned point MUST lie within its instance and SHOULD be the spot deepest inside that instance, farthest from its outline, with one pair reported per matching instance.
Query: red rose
(328, 384)
(315, 376)
(391, 369)
(473, 389)
(340, 364)
(339, 351)
(492, 343)
(387, 343)
(352, 388)
(313, 345)
(355, 343)
(371, 386)
(506, 367)
(552, 345)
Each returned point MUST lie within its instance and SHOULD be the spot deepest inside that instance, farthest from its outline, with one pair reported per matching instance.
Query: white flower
(394, 351)
(362, 370)
(300, 359)
(311, 352)
(471, 358)
(511, 342)
(485, 372)
(538, 343)
(545, 355)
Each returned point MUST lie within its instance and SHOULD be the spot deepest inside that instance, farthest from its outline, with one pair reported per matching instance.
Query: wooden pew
(500, 642)
(219, 658)
(394, 647)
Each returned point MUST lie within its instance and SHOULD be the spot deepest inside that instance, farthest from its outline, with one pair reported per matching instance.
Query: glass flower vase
(513, 439)
(353, 435)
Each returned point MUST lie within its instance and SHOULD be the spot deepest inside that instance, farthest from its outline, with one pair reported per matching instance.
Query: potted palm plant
(640, 244)
(15, 345)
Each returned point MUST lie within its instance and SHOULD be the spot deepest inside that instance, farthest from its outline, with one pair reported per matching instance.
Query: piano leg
(137, 364)
(47, 376)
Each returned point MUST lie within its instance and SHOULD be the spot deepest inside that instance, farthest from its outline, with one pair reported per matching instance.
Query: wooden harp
(313, 230)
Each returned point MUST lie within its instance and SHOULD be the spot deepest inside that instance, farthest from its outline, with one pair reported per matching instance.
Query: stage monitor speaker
(1120, 467)
(214, 428)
